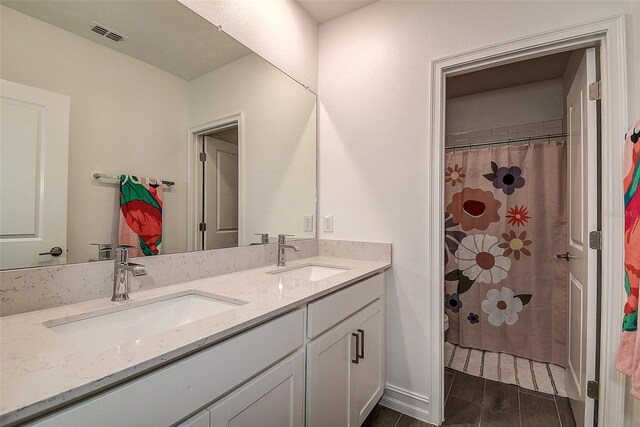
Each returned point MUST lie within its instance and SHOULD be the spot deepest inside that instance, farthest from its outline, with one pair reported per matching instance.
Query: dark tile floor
(473, 401)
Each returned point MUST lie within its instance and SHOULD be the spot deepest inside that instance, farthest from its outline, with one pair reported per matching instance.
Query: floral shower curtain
(505, 221)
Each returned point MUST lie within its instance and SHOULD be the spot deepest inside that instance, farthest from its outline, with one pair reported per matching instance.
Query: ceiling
(515, 74)
(325, 10)
(163, 33)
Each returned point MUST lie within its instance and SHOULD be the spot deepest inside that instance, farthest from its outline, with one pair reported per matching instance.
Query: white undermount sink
(310, 273)
(112, 329)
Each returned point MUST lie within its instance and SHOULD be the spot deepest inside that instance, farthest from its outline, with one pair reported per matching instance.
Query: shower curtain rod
(506, 141)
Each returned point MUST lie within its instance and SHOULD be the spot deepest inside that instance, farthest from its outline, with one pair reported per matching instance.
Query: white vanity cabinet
(265, 376)
(345, 364)
(169, 394)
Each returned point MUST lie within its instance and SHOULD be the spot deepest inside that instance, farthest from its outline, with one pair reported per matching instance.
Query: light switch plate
(308, 223)
(327, 223)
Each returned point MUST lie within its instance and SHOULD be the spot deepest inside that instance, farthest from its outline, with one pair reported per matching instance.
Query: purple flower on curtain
(452, 237)
(452, 302)
(473, 318)
(506, 179)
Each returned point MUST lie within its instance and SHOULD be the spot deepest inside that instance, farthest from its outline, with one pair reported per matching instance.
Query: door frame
(609, 35)
(193, 187)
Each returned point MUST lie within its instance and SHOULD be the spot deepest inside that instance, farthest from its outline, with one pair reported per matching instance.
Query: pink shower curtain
(505, 221)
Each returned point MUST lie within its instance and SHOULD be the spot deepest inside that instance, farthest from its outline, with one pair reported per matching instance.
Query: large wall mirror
(139, 122)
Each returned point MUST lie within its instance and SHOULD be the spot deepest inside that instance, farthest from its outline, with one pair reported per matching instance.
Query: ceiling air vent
(106, 32)
(114, 36)
(98, 29)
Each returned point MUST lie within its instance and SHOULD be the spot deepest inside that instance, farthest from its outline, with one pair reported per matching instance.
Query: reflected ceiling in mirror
(144, 90)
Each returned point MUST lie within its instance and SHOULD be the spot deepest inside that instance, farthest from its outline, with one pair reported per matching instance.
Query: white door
(582, 218)
(221, 193)
(369, 375)
(274, 399)
(34, 139)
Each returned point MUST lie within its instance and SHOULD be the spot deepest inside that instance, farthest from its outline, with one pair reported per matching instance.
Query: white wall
(148, 140)
(278, 142)
(374, 73)
(530, 103)
(634, 47)
(278, 30)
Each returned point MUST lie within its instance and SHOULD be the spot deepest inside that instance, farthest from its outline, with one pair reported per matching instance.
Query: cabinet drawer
(334, 308)
(165, 396)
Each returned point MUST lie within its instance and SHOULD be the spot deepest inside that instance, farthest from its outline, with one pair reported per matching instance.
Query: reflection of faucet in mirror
(121, 270)
(104, 251)
(282, 246)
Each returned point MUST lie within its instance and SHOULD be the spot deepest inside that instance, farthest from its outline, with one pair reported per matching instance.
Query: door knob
(55, 251)
(567, 256)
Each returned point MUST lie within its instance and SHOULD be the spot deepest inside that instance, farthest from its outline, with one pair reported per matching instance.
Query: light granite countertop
(40, 370)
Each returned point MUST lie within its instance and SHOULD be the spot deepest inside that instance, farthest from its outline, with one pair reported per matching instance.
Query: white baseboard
(406, 402)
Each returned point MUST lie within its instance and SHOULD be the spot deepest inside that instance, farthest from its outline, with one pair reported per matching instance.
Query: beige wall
(374, 75)
(278, 136)
(530, 103)
(144, 135)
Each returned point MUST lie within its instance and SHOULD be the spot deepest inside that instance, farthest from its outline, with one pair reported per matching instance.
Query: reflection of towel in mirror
(140, 215)
(628, 359)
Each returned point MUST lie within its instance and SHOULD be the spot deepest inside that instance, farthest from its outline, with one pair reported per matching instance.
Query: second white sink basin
(111, 330)
(310, 273)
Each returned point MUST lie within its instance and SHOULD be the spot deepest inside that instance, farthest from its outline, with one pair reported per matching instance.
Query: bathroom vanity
(292, 346)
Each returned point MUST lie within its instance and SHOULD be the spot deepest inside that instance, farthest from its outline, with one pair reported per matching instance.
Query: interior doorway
(521, 195)
(218, 187)
(609, 34)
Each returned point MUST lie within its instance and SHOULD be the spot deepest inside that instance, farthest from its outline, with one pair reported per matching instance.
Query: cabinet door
(329, 366)
(369, 374)
(273, 399)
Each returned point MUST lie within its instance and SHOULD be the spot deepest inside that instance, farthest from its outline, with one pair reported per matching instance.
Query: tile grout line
(398, 421)
(484, 387)
(519, 410)
(555, 402)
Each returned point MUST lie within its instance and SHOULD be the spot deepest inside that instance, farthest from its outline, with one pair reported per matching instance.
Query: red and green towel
(628, 359)
(140, 215)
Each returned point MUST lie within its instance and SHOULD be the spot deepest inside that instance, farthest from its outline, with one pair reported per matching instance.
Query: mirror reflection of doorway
(219, 197)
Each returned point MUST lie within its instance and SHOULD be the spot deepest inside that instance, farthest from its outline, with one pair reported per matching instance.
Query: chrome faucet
(121, 270)
(282, 246)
